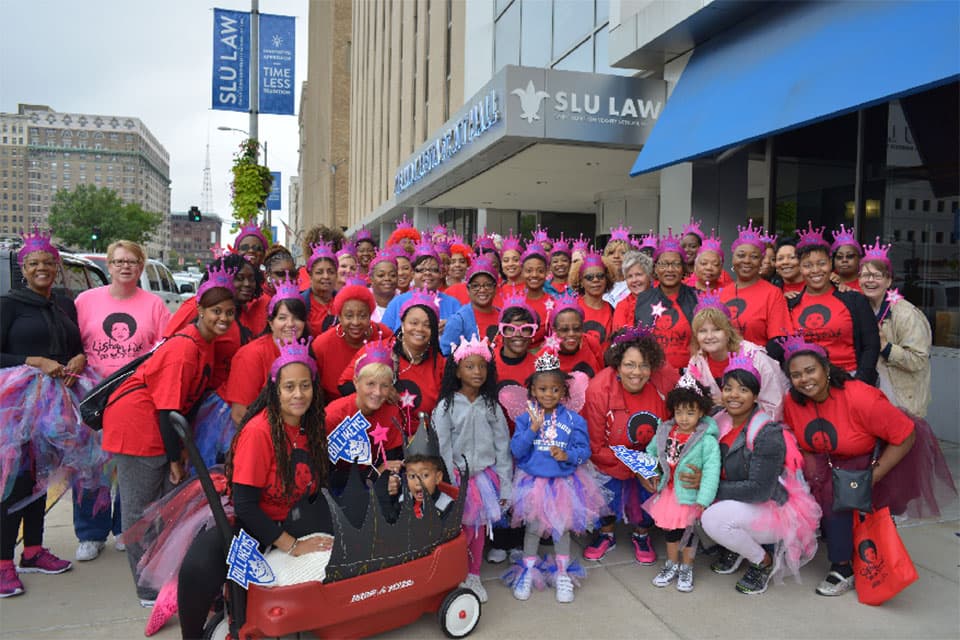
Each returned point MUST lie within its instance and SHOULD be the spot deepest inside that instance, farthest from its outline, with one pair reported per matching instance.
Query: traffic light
(195, 215)
(95, 234)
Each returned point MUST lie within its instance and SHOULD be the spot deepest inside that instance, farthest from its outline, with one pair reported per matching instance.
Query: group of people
(541, 365)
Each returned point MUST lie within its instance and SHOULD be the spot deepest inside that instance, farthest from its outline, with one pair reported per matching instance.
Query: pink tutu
(557, 505)
(794, 524)
(668, 513)
(482, 507)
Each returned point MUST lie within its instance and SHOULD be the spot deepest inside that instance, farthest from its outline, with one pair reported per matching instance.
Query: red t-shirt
(387, 416)
(854, 284)
(676, 443)
(848, 422)
(488, 322)
(254, 314)
(642, 407)
(598, 322)
(589, 359)
(172, 379)
(673, 333)
(545, 316)
(717, 366)
(249, 371)
(333, 354)
(759, 311)
(789, 287)
(255, 465)
(825, 320)
(320, 316)
(224, 347)
(458, 291)
(724, 279)
(512, 372)
(624, 314)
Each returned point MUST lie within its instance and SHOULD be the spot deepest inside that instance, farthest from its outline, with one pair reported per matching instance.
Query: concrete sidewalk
(96, 599)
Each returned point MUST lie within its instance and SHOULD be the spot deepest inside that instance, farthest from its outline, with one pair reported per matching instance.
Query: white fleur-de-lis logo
(277, 41)
(530, 101)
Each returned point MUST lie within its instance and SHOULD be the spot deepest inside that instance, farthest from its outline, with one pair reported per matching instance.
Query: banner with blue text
(276, 63)
(273, 200)
(231, 60)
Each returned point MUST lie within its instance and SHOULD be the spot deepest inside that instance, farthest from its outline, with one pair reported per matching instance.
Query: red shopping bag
(881, 564)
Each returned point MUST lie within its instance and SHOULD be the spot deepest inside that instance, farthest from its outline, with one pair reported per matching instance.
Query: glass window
(502, 4)
(602, 55)
(572, 19)
(152, 277)
(536, 20)
(603, 12)
(580, 59)
(506, 46)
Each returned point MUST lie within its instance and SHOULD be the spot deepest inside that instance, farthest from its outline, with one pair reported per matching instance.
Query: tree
(74, 214)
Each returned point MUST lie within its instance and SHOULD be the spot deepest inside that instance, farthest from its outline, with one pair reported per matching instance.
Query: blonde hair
(376, 370)
(614, 244)
(720, 321)
(127, 245)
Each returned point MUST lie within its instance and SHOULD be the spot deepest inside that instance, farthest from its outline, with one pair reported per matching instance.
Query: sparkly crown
(442, 246)
(514, 297)
(581, 245)
(668, 244)
(290, 352)
(404, 231)
(424, 249)
(769, 239)
(383, 256)
(533, 250)
(687, 381)
(877, 252)
(567, 302)
(423, 298)
(348, 249)
(485, 242)
(511, 243)
(560, 246)
(220, 252)
(845, 237)
(217, 276)
(713, 243)
(792, 345)
(749, 235)
(546, 361)
(592, 259)
(471, 347)
(363, 235)
(287, 289)
(742, 361)
(539, 236)
(620, 233)
(649, 241)
(252, 230)
(403, 223)
(377, 351)
(321, 251)
(36, 241)
(482, 264)
(811, 237)
(630, 334)
(693, 227)
(711, 300)
(439, 232)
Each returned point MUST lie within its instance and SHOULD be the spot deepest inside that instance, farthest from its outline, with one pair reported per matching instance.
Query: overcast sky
(149, 60)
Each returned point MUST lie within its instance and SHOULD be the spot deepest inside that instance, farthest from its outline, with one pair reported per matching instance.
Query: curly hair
(450, 384)
(322, 232)
(276, 253)
(836, 377)
(312, 423)
(647, 345)
(680, 396)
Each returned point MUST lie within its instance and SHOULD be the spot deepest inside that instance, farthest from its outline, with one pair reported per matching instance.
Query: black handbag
(853, 490)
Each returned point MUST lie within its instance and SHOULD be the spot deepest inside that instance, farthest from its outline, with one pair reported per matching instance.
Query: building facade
(190, 241)
(55, 150)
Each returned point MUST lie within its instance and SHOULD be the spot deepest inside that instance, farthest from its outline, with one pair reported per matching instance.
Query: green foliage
(73, 214)
(251, 182)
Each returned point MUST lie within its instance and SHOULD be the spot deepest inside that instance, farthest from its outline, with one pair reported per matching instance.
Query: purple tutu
(213, 428)
(794, 524)
(667, 511)
(917, 486)
(568, 503)
(482, 506)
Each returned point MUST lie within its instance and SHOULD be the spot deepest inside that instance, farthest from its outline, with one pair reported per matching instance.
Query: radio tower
(206, 198)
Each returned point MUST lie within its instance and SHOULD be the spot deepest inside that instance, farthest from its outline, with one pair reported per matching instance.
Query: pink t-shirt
(113, 331)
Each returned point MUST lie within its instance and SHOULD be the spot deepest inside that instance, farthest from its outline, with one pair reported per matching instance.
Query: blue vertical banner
(273, 200)
(231, 60)
(276, 68)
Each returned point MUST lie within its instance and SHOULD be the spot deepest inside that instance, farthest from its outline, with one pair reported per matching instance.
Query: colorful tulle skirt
(554, 506)
(213, 428)
(482, 506)
(668, 513)
(626, 499)
(794, 524)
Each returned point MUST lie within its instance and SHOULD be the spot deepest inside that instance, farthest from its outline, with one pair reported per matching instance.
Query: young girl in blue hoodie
(555, 490)
(689, 438)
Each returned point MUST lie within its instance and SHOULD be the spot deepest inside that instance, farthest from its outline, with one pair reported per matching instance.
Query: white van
(156, 278)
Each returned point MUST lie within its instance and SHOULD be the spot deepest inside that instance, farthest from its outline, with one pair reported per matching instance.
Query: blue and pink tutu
(668, 513)
(213, 428)
(572, 503)
(482, 506)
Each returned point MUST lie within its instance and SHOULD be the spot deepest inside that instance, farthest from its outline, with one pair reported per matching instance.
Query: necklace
(414, 360)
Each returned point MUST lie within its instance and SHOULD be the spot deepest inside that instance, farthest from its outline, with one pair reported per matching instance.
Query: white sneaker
(667, 575)
(685, 578)
(119, 546)
(474, 584)
(564, 588)
(523, 586)
(147, 604)
(89, 550)
(496, 556)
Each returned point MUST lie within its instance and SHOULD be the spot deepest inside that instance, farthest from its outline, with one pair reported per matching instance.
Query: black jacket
(754, 476)
(686, 300)
(31, 325)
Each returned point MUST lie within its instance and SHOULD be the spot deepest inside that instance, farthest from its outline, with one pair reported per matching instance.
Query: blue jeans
(95, 527)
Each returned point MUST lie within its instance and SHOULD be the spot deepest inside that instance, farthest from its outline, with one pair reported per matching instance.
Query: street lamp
(267, 217)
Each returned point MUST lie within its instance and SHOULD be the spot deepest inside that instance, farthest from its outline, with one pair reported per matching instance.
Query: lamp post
(267, 216)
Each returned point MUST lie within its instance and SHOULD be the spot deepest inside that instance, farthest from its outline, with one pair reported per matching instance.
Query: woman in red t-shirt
(322, 267)
(593, 281)
(579, 351)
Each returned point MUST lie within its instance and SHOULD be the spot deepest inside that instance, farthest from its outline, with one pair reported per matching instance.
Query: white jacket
(905, 375)
(773, 383)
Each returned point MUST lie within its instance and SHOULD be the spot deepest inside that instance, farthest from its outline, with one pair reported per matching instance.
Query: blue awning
(798, 63)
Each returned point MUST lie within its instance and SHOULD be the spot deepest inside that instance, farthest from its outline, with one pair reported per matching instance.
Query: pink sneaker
(643, 550)
(10, 584)
(44, 562)
(601, 545)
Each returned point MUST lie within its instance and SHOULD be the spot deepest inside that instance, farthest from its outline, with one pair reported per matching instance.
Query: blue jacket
(462, 323)
(391, 317)
(532, 450)
(702, 450)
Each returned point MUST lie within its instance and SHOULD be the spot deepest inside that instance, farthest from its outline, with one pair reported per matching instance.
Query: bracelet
(293, 546)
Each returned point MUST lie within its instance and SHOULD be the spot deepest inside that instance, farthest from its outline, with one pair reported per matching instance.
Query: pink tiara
(742, 361)
(539, 236)
(631, 334)
(688, 382)
(560, 246)
(220, 252)
(439, 232)
(533, 250)
(713, 243)
(383, 256)
(795, 344)
(811, 237)
(511, 243)
(348, 249)
(878, 252)
(845, 237)
(592, 259)
(482, 264)
(251, 230)
(769, 240)
(749, 235)
(485, 242)
(421, 298)
(514, 297)
(424, 249)
(363, 235)
(442, 246)
(580, 245)
(36, 241)
(567, 302)
(287, 289)
(668, 244)
(293, 351)
(217, 276)
(471, 347)
(646, 241)
(620, 233)
(321, 251)
(711, 300)
(693, 227)
(377, 351)
(403, 223)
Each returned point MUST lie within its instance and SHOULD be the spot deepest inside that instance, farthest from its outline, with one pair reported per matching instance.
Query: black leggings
(675, 535)
(202, 576)
(31, 515)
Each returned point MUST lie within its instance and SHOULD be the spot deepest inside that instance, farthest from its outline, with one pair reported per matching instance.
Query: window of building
(506, 44)
(580, 59)
(536, 19)
(572, 19)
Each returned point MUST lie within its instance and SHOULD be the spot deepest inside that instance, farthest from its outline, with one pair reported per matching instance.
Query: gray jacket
(477, 432)
(754, 476)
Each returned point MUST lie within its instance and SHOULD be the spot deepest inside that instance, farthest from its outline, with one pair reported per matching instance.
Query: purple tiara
(293, 351)
(742, 361)
(403, 223)
(713, 243)
(581, 245)
(377, 351)
(811, 237)
(287, 289)
(515, 298)
(631, 334)
(533, 250)
(567, 302)
(511, 243)
(711, 300)
(251, 230)
(439, 232)
(749, 235)
(769, 239)
(539, 236)
(668, 244)
(560, 246)
(363, 235)
(388, 256)
(218, 276)
(693, 227)
(482, 264)
(421, 298)
(442, 246)
(348, 249)
(36, 241)
(485, 242)
(878, 252)
(321, 251)
(620, 233)
(425, 249)
(646, 241)
(592, 259)
(795, 344)
(845, 237)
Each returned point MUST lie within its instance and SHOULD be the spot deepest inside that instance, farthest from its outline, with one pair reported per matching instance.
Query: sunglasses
(593, 277)
(508, 330)
(252, 248)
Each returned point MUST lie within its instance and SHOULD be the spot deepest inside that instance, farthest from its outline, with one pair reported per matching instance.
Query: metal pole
(267, 217)
(254, 66)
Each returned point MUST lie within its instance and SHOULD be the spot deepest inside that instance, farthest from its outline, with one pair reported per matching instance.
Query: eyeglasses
(631, 366)
(124, 263)
(593, 277)
(252, 248)
(670, 265)
(508, 330)
(869, 275)
(482, 286)
(280, 275)
(422, 270)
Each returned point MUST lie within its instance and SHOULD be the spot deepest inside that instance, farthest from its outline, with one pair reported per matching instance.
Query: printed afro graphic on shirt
(736, 307)
(814, 317)
(119, 341)
(119, 327)
(641, 428)
(597, 328)
(820, 435)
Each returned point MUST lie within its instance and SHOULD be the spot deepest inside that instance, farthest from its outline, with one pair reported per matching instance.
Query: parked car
(156, 278)
(186, 285)
(78, 273)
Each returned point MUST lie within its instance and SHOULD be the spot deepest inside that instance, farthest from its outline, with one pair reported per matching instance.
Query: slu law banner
(231, 60)
(277, 40)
